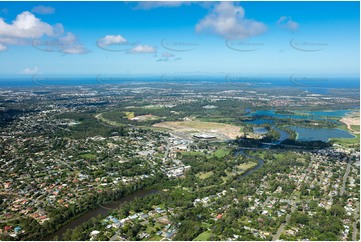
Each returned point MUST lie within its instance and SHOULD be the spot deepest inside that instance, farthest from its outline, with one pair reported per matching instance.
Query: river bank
(102, 210)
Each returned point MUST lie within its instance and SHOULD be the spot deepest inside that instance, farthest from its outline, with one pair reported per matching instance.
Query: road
(283, 225)
(166, 153)
(265, 202)
(354, 231)
(11, 219)
(345, 178)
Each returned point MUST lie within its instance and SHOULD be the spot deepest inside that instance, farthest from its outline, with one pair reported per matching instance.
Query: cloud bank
(228, 21)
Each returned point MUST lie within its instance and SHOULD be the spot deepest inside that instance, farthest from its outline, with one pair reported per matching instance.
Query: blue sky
(252, 38)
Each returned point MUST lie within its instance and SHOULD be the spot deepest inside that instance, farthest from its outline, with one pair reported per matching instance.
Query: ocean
(314, 85)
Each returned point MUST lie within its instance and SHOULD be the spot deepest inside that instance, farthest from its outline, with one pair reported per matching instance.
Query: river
(249, 172)
(102, 210)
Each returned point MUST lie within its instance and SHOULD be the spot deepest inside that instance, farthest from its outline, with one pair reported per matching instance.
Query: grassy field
(355, 128)
(129, 115)
(204, 175)
(347, 142)
(88, 156)
(193, 153)
(107, 121)
(196, 126)
(155, 238)
(203, 236)
(246, 166)
(226, 178)
(240, 169)
(220, 153)
(155, 107)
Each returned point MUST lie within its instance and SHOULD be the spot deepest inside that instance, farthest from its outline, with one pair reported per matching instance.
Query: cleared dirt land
(351, 121)
(217, 129)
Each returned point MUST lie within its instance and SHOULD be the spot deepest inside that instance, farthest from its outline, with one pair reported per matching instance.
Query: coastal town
(275, 210)
(180, 120)
(73, 153)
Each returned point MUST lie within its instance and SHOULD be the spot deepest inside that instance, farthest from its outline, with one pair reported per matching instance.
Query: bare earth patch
(352, 119)
(144, 117)
(218, 129)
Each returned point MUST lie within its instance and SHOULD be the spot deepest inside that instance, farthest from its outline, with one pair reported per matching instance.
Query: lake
(259, 121)
(322, 134)
(283, 134)
(315, 115)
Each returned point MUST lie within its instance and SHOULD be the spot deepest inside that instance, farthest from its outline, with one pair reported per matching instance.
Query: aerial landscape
(149, 121)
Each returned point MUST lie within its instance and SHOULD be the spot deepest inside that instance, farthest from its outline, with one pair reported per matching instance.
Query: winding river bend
(249, 172)
(101, 210)
(104, 210)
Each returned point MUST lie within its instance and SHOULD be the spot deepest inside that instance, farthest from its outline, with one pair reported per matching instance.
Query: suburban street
(354, 231)
(345, 178)
(283, 225)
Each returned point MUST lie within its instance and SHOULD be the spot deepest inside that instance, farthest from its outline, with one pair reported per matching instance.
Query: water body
(102, 210)
(312, 115)
(283, 134)
(259, 121)
(322, 134)
(249, 172)
(330, 113)
(321, 87)
(260, 130)
(304, 134)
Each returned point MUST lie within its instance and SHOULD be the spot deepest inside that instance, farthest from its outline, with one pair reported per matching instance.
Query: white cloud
(111, 40)
(227, 20)
(12, 41)
(142, 49)
(43, 10)
(69, 44)
(76, 49)
(287, 23)
(68, 39)
(159, 4)
(26, 28)
(3, 47)
(30, 71)
(26, 25)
